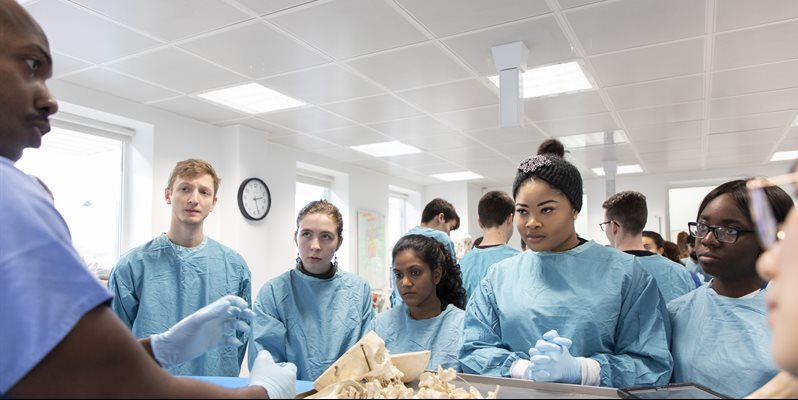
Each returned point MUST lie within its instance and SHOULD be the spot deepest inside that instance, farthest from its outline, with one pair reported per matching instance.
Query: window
(581, 225)
(397, 219)
(683, 206)
(84, 172)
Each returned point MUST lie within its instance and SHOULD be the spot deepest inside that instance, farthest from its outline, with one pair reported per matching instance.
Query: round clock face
(254, 199)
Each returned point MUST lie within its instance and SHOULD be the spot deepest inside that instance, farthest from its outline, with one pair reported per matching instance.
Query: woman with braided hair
(431, 315)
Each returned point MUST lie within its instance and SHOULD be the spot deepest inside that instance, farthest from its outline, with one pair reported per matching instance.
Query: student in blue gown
(431, 315)
(729, 312)
(313, 313)
(570, 310)
(625, 215)
(180, 271)
(495, 216)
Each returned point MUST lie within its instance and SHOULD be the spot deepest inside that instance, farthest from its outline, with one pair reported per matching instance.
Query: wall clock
(254, 199)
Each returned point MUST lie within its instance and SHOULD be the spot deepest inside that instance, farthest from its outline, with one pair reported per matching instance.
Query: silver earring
(298, 260)
(335, 261)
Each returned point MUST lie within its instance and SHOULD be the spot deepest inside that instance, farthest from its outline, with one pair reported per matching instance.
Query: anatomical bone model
(365, 371)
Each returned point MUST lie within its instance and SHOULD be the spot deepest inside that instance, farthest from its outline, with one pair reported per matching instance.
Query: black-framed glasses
(723, 234)
(604, 224)
(767, 227)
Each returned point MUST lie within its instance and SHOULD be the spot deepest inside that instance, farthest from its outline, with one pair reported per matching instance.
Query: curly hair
(450, 289)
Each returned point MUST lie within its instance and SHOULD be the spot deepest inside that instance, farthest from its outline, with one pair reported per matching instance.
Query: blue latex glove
(279, 380)
(552, 362)
(209, 327)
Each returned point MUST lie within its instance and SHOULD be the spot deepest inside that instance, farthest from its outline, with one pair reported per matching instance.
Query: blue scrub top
(673, 279)
(598, 297)
(45, 287)
(721, 342)
(442, 335)
(159, 283)
(310, 321)
(474, 265)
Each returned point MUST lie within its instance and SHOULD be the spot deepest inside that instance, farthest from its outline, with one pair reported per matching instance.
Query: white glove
(552, 362)
(209, 327)
(278, 380)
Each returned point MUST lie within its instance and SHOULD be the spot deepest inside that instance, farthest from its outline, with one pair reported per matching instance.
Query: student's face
(650, 245)
(544, 217)
(780, 267)
(415, 280)
(732, 262)
(192, 199)
(318, 241)
(25, 100)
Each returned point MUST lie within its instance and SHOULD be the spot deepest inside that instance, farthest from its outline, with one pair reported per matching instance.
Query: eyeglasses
(723, 234)
(604, 224)
(767, 227)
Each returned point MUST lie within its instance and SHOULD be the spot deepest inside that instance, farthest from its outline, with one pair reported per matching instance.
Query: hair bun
(552, 146)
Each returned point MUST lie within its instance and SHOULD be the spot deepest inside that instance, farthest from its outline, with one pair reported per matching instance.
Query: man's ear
(167, 194)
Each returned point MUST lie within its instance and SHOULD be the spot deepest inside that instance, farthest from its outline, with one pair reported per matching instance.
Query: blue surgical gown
(158, 284)
(475, 264)
(598, 297)
(672, 278)
(721, 342)
(310, 321)
(45, 287)
(442, 335)
(696, 268)
(440, 236)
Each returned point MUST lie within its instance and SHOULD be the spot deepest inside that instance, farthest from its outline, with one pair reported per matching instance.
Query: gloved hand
(209, 327)
(278, 380)
(552, 362)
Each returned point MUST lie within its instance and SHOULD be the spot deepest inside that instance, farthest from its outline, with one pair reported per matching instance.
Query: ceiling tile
(306, 119)
(517, 151)
(120, 85)
(177, 70)
(754, 103)
(451, 96)
(419, 126)
(751, 122)
(168, 20)
(564, 106)
(662, 115)
(410, 67)
(272, 6)
(437, 16)
(572, 126)
(658, 93)
(734, 14)
(660, 163)
(688, 131)
(373, 109)
(414, 161)
(565, 4)
(755, 79)
(624, 24)
(270, 130)
(254, 50)
(372, 163)
(326, 84)
(472, 119)
(507, 135)
(349, 28)
(352, 136)
(594, 157)
(754, 46)
(439, 142)
(350, 156)
(61, 22)
(649, 63)
(542, 36)
(198, 109)
(749, 140)
(303, 142)
(64, 64)
(689, 145)
(466, 153)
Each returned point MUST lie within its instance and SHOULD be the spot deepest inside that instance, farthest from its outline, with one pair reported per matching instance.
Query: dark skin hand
(100, 358)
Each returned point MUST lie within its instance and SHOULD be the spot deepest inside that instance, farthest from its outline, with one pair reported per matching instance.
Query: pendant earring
(335, 261)
(298, 260)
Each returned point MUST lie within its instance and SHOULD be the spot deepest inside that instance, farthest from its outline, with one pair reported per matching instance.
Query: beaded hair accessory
(533, 163)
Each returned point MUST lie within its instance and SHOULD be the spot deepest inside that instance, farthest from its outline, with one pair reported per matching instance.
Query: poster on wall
(371, 248)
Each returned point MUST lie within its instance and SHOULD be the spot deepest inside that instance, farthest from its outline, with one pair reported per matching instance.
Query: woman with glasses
(729, 313)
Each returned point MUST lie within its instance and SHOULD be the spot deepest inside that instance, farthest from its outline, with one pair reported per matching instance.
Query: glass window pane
(683, 207)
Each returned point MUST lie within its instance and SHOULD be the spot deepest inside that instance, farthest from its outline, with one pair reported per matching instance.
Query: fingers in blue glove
(564, 342)
(547, 347)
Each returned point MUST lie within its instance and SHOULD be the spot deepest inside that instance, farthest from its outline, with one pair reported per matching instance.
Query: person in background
(495, 211)
(182, 270)
(570, 310)
(438, 219)
(431, 314)
(653, 242)
(681, 243)
(314, 313)
(730, 310)
(625, 216)
(670, 251)
(59, 337)
(691, 261)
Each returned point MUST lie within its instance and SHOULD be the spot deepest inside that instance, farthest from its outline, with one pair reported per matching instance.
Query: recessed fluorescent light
(594, 139)
(386, 149)
(622, 169)
(784, 155)
(457, 176)
(795, 122)
(552, 79)
(252, 98)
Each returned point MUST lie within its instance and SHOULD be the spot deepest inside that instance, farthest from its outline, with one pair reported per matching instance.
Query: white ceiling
(696, 84)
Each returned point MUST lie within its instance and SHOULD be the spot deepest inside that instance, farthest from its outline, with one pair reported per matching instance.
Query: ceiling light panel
(622, 170)
(594, 139)
(386, 149)
(457, 176)
(552, 79)
(252, 98)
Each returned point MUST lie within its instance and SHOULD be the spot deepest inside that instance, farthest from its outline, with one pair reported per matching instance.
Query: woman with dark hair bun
(431, 315)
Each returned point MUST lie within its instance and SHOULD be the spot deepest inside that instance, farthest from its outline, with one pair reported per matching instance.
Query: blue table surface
(236, 382)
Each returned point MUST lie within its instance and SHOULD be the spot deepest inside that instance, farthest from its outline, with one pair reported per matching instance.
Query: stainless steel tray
(523, 389)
